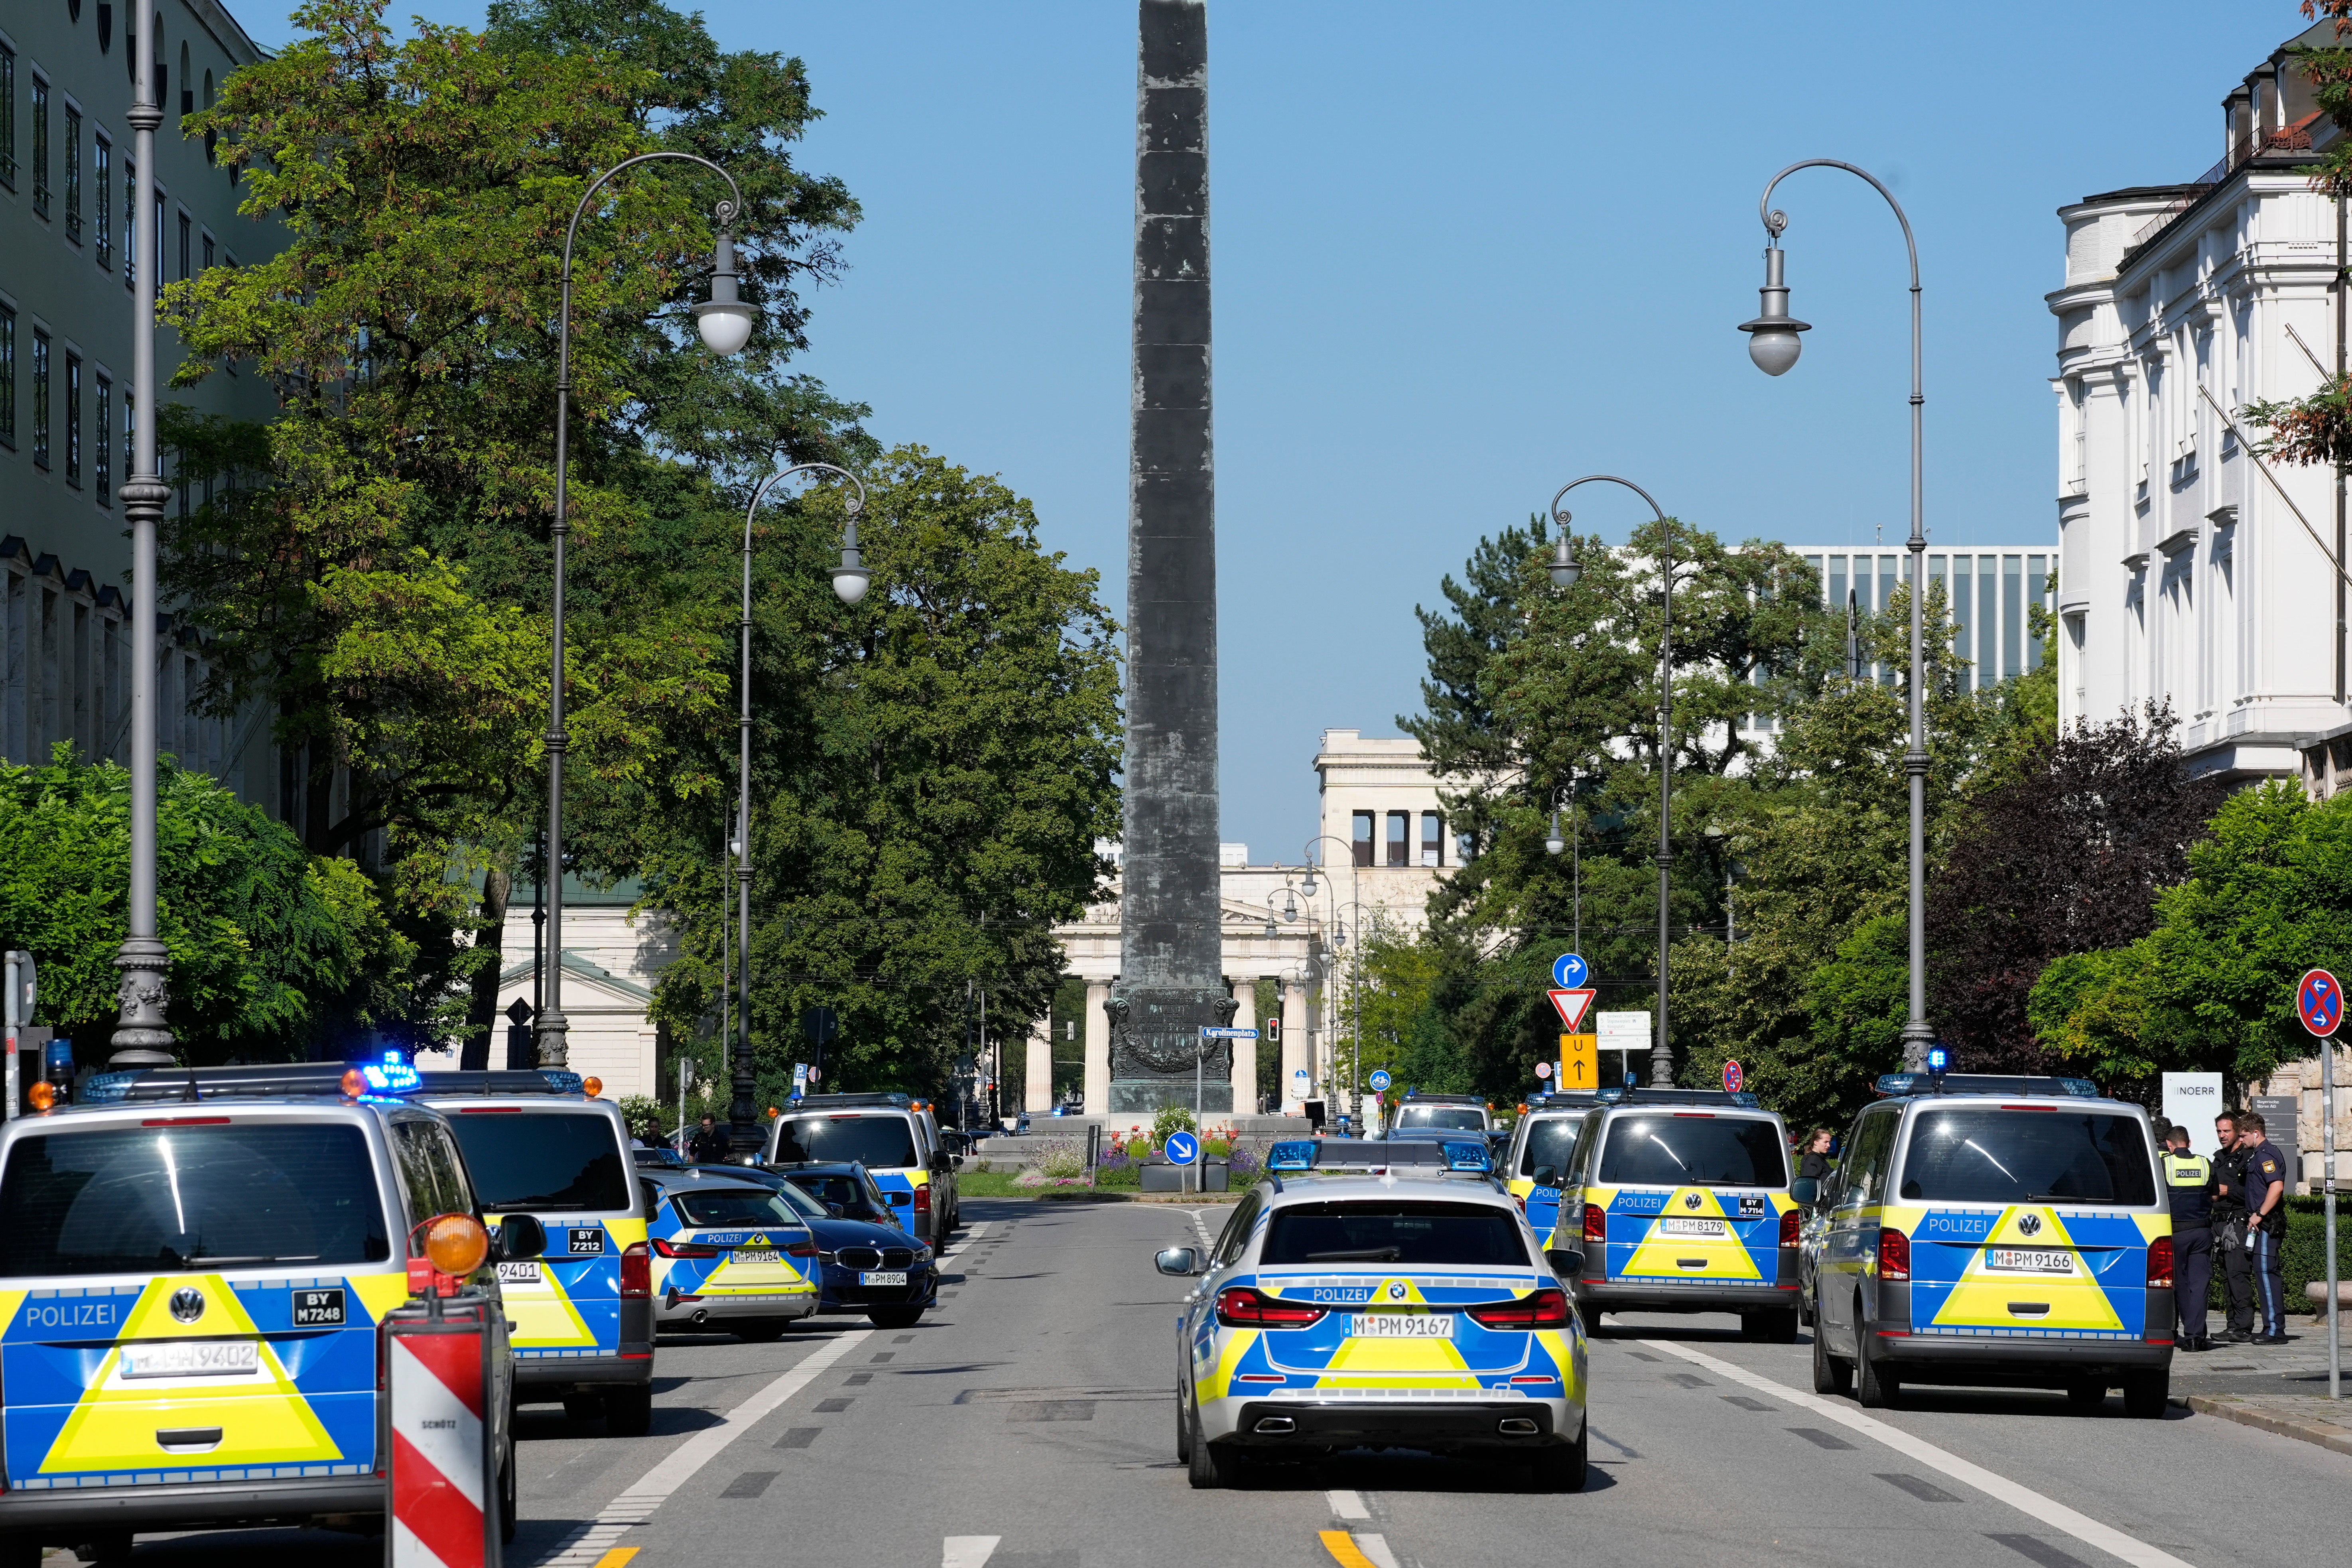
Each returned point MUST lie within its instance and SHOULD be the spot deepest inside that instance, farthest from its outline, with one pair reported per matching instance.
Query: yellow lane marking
(617, 1557)
(1342, 1548)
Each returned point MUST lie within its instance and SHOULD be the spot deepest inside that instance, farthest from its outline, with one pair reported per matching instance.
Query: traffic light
(1271, 1030)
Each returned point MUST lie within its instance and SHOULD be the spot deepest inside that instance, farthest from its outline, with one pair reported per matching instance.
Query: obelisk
(1172, 979)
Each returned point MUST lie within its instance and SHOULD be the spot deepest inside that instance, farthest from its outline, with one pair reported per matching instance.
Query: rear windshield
(1469, 1235)
(800, 1204)
(543, 1159)
(1442, 1116)
(1984, 1154)
(870, 1140)
(734, 1209)
(847, 1191)
(1550, 1142)
(126, 1200)
(1666, 1149)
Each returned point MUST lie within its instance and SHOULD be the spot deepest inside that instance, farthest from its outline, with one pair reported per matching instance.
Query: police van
(193, 1267)
(1542, 1151)
(541, 1142)
(1680, 1200)
(1990, 1229)
(894, 1136)
(1438, 1116)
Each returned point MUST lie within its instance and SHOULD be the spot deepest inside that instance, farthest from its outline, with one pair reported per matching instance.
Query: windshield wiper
(1359, 1255)
(224, 1261)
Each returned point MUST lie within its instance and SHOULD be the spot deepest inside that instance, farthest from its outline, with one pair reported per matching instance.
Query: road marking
(594, 1545)
(2026, 1500)
(1348, 1505)
(1346, 1553)
(617, 1557)
(967, 1550)
(1376, 1547)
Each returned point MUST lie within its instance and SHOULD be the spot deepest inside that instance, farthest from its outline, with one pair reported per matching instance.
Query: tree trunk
(482, 1015)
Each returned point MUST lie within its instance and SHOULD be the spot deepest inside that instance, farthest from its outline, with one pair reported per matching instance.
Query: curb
(2324, 1434)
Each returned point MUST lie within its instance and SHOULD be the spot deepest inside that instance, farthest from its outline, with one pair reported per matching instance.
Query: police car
(1541, 1150)
(728, 1254)
(1420, 1115)
(1994, 1230)
(1680, 1200)
(1368, 1294)
(539, 1143)
(892, 1135)
(193, 1267)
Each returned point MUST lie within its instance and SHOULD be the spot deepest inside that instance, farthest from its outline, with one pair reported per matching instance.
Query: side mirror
(1547, 1175)
(834, 1209)
(519, 1236)
(1568, 1262)
(955, 1161)
(1184, 1261)
(1806, 1190)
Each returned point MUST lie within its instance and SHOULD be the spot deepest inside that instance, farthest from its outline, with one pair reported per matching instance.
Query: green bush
(1172, 1119)
(1120, 1176)
(1061, 1162)
(645, 1119)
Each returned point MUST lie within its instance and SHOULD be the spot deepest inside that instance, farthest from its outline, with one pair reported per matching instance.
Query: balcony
(2295, 138)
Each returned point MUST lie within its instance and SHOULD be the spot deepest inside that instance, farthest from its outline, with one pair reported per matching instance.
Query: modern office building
(69, 247)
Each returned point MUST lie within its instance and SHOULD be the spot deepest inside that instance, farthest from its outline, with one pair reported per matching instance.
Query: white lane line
(636, 1505)
(2026, 1500)
(1348, 1505)
(967, 1550)
(1376, 1547)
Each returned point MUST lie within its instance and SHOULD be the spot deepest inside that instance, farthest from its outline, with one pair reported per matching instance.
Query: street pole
(1564, 572)
(1773, 345)
(142, 1034)
(2328, 1184)
(725, 322)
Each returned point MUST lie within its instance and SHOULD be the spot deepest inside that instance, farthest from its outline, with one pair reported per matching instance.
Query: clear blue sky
(1463, 254)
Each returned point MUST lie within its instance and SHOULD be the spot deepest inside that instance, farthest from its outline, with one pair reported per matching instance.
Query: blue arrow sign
(1379, 1082)
(1182, 1149)
(1569, 971)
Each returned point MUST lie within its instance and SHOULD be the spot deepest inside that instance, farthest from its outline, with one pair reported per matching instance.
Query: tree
(273, 951)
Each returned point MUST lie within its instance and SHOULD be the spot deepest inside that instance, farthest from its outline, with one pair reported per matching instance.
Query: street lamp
(1339, 939)
(725, 322)
(849, 580)
(1772, 344)
(1563, 572)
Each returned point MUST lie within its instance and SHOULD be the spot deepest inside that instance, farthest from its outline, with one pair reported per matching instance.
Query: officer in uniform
(2265, 1224)
(2188, 1184)
(2229, 1222)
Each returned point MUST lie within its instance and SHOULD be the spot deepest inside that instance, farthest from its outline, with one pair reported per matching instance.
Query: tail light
(923, 1199)
(801, 1250)
(2159, 1263)
(1520, 1199)
(663, 1249)
(1544, 1308)
(1893, 1255)
(1789, 1224)
(1243, 1308)
(1596, 1224)
(636, 1272)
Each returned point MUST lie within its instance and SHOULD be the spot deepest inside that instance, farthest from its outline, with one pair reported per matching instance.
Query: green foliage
(646, 1118)
(1172, 1119)
(272, 951)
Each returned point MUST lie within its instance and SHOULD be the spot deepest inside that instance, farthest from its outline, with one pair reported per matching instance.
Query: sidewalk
(2278, 1388)
(2307, 1417)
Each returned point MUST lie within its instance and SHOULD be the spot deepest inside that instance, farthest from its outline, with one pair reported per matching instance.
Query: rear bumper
(1996, 1358)
(542, 1374)
(1599, 1296)
(51, 1517)
(715, 1308)
(1451, 1425)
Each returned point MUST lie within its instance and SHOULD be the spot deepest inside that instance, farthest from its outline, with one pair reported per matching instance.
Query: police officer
(2188, 1184)
(2265, 1224)
(2229, 1228)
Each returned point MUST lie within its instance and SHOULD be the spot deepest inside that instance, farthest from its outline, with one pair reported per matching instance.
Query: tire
(1563, 1468)
(1831, 1375)
(1777, 1326)
(20, 1551)
(2146, 1394)
(1805, 1311)
(1209, 1469)
(1873, 1390)
(1183, 1431)
(508, 1523)
(895, 1317)
(760, 1330)
(111, 1548)
(2086, 1398)
(629, 1411)
(581, 1407)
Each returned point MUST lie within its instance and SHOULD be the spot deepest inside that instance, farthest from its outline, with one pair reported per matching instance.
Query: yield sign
(1572, 1005)
(2320, 1002)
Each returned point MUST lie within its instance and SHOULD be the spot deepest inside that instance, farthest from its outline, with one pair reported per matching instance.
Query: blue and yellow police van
(541, 1142)
(1379, 1294)
(1680, 1200)
(1541, 1150)
(894, 1136)
(1990, 1229)
(194, 1265)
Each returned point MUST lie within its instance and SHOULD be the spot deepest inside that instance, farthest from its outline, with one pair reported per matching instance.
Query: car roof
(1339, 1186)
(664, 1180)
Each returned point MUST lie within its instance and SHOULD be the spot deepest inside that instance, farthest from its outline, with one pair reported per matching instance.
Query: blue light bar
(1468, 1157)
(1291, 1154)
(391, 1075)
(108, 1088)
(1938, 1059)
(564, 1082)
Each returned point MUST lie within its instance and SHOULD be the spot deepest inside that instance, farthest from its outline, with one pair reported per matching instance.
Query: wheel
(760, 1330)
(1209, 1468)
(1831, 1375)
(2146, 1394)
(508, 1523)
(1561, 1469)
(110, 1548)
(629, 1411)
(1873, 1389)
(1780, 1326)
(1805, 1310)
(1184, 1432)
(2087, 1398)
(895, 1317)
(580, 1407)
(20, 1551)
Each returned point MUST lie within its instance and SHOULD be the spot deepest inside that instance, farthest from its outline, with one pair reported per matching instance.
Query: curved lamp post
(725, 322)
(1564, 572)
(1773, 345)
(849, 581)
(1307, 886)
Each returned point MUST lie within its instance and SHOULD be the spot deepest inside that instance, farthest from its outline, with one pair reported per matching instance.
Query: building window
(40, 147)
(73, 419)
(102, 204)
(208, 253)
(73, 174)
(1987, 628)
(2012, 616)
(1433, 839)
(1400, 838)
(2037, 592)
(184, 231)
(1360, 840)
(102, 455)
(7, 377)
(1963, 602)
(40, 398)
(8, 117)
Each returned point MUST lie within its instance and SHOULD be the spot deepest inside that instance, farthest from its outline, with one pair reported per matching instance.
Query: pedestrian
(2229, 1228)
(710, 1145)
(1814, 1163)
(2189, 1189)
(2265, 1224)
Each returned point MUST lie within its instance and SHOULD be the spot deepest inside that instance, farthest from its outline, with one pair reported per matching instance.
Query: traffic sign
(1543, 1070)
(1569, 971)
(1210, 1032)
(1579, 1061)
(1380, 1080)
(1301, 1076)
(1181, 1149)
(2320, 1000)
(1732, 1077)
(1572, 1004)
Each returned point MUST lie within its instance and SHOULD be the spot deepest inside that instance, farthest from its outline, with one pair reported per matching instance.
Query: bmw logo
(1690, 1200)
(2030, 1225)
(1396, 1291)
(187, 1303)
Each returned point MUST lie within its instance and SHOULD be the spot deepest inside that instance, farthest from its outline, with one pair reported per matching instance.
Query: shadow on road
(1403, 1470)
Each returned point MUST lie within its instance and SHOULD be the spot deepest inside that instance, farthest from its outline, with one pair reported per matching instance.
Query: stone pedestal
(1157, 1054)
(1297, 1040)
(1037, 1087)
(1244, 1074)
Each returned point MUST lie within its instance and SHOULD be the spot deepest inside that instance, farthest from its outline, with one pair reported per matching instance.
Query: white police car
(1379, 1295)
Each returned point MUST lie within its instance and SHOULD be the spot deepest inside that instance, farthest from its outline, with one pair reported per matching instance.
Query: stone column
(1037, 1092)
(1297, 1010)
(1246, 1051)
(1097, 1079)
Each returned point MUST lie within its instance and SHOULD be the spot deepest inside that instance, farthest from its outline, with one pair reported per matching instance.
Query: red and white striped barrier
(442, 1509)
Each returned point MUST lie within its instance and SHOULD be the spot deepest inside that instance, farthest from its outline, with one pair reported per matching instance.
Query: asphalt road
(1029, 1423)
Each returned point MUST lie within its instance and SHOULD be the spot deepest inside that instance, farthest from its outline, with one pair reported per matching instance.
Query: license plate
(1401, 1325)
(193, 1358)
(586, 1241)
(1675, 1225)
(523, 1272)
(318, 1309)
(883, 1277)
(2030, 1260)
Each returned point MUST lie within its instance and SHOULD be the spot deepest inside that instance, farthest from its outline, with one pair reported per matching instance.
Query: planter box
(1161, 1177)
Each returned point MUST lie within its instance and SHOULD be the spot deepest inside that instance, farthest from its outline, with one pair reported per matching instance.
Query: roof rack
(1628, 1095)
(819, 1102)
(1565, 1100)
(2023, 1086)
(278, 1080)
(1434, 1098)
(1469, 1156)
